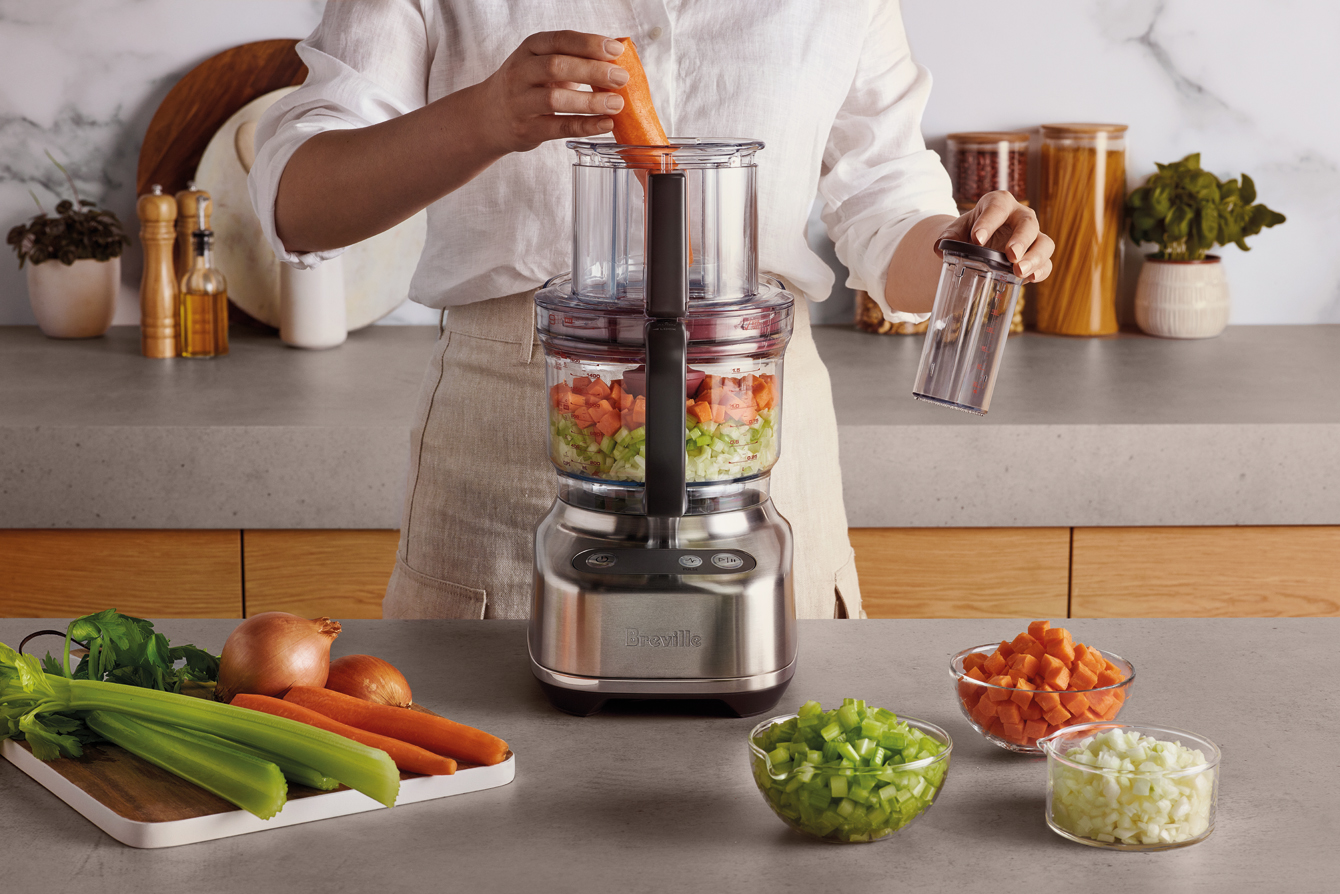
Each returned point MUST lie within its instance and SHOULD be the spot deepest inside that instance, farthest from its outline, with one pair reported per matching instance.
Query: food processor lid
(996, 260)
(762, 322)
(679, 154)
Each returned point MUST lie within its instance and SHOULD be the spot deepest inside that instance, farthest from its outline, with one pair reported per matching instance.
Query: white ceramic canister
(1182, 299)
(75, 301)
(311, 305)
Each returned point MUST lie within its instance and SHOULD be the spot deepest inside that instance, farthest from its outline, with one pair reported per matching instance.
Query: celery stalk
(292, 770)
(255, 785)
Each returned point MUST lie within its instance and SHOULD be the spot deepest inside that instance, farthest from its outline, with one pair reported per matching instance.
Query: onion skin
(371, 679)
(270, 653)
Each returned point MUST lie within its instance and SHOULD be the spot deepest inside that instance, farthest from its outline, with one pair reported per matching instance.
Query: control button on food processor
(600, 560)
(727, 561)
(690, 561)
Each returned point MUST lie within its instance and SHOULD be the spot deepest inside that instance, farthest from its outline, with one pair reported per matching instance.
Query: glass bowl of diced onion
(1130, 786)
(849, 775)
(977, 698)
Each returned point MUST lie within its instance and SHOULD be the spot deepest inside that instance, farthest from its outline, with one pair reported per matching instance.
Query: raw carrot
(996, 664)
(636, 123)
(1003, 694)
(1021, 643)
(1023, 694)
(1038, 629)
(437, 734)
(1057, 642)
(410, 758)
(1082, 677)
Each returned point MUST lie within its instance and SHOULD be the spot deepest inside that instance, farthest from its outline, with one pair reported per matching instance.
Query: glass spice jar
(982, 162)
(1081, 200)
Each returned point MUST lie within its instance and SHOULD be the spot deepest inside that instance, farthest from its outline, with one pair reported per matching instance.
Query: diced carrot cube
(583, 418)
(976, 674)
(625, 401)
(994, 727)
(1074, 702)
(598, 389)
(1012, 732)
(1095, 660)
(1119, 695)
(984, 711)
(1000, 695)
(974, 659)
(1035, 729)
(748, 416)
(1024, 665)
(1058, 644)
(1021, 643)
(1047, 698)
(557, 392)
(702, 410)
(1110, 676)
(581, 383)
(1032, 711)
(1038, 629)
(1008, 712)
(1112, 709)
(996, 664)
(1005, 649)
(1023, 693)
(609, 423)
(718, 414)
(1056, 716)
(1052, 669)
(1037, 651)
(1099, 701)
(1082, 677)
(969, 695)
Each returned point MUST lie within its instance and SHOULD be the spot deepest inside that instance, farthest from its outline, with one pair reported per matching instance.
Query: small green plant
(79, 230)
(1187, 211)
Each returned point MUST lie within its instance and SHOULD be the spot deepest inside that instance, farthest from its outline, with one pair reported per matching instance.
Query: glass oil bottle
(204, 296)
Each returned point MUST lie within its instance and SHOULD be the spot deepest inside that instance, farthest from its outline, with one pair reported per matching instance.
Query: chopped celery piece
(857, 787)
(255, 785)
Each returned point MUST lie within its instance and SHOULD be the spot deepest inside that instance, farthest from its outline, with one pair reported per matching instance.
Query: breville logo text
(679, 639)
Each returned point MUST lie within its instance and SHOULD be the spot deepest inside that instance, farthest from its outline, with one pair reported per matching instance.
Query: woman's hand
(1000, 222)
(536, 97)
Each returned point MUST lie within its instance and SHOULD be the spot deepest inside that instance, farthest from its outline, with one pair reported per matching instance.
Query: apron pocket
(412, 595)
(848, 591)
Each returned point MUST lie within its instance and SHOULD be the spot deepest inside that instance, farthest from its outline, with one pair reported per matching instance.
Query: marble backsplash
(1244, 83)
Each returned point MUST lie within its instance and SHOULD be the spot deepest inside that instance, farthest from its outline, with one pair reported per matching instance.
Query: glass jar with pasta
(1082, 194)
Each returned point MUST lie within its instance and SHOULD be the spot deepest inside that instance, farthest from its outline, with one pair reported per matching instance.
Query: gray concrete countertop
(661, 802)
(1241, 429)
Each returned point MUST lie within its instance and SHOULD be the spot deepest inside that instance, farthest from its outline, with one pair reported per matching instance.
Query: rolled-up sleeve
(367, 62)
(878, 178)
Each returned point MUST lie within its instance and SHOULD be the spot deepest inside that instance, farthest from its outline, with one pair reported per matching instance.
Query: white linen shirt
(830, 87)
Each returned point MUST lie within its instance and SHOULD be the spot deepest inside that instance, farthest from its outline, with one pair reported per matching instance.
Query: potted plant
(1182, 291)
(74, 265)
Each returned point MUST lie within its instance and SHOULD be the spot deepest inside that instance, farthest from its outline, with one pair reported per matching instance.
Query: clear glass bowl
(970, 692)
(1121, 809)
(773, 782)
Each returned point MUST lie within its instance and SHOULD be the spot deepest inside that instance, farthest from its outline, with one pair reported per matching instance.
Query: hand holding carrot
(522, 100)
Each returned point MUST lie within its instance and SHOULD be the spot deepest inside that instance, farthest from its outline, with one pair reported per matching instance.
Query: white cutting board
(325, 805)
(377, 271)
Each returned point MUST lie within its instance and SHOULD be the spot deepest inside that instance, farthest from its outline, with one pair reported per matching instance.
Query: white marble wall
(1248, 84)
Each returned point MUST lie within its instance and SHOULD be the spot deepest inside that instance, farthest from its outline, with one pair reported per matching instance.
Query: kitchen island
(657, 801)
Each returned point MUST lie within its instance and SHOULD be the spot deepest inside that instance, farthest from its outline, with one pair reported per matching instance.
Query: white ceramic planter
(1182, 299)
(77, 301)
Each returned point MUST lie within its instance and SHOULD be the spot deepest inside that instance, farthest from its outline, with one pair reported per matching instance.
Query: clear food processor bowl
(609, 226)
(596, 375)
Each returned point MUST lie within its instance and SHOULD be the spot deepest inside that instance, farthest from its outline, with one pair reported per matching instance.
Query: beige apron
(480, 478)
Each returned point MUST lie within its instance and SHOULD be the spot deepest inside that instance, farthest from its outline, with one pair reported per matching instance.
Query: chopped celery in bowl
(853, 774)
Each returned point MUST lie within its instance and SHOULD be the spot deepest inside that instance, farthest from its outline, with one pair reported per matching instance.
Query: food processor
(663, 570)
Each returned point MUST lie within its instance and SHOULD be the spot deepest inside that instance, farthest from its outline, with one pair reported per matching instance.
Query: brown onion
(369, 678)
(272, 652)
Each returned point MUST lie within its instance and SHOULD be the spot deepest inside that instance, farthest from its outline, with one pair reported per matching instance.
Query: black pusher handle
(667, 280)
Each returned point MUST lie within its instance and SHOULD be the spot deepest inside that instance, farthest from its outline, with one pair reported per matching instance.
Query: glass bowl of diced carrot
(1018, 691)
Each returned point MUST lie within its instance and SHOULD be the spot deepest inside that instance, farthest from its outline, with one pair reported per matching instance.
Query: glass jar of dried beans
(981, 162)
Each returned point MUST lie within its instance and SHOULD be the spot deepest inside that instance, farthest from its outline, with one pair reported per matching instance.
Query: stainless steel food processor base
(583, 696)
(631, 607)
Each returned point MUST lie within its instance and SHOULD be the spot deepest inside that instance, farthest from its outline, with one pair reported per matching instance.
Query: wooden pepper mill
(188, 205)
(158, 287)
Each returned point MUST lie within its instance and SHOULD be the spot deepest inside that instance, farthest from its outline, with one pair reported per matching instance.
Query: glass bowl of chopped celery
(852, 774)
(1131, 787)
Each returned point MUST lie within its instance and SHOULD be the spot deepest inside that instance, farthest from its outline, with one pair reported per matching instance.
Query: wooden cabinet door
(334, 574)
(148, 574)
(1210, 572)
(963, 572)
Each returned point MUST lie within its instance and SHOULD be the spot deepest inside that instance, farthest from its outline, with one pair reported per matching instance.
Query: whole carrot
(636, 123)
(408, 757)
(437, 734)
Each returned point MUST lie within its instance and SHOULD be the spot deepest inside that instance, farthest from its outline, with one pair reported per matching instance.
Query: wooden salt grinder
(158, 288)
(187, 205)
